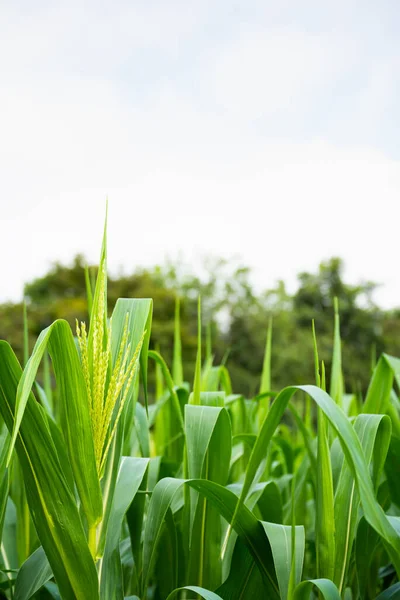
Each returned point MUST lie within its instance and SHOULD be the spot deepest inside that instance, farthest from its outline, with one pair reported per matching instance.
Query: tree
(238, 317)
(361, 320)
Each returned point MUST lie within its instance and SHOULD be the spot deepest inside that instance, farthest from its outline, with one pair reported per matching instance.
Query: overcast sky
(267, 129)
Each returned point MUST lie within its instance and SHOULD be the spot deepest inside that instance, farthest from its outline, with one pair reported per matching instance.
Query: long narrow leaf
(51, 502)
(33, 574)
(74, 414)
(351, 447)
(130, 475)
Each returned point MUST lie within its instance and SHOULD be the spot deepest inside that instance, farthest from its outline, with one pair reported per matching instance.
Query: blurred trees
(236, 314)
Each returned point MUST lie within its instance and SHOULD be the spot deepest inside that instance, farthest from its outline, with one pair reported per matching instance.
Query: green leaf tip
(197, 375)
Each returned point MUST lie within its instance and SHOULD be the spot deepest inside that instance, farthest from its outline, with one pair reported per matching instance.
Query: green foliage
(235, 316)
(192, 490)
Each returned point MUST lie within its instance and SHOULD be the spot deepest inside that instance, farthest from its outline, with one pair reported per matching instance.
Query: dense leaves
(197, 491)
(237, 314)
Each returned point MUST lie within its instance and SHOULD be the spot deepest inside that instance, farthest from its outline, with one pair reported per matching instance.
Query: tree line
(235, 318)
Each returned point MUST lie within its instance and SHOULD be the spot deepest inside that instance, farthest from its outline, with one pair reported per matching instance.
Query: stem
(27, 529)
(92, 541)
(347, 540)
(203, 529)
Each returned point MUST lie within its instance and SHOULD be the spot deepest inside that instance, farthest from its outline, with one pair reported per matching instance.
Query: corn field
(195, 492)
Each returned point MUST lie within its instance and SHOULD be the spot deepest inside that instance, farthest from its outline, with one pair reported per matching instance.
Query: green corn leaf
(8, 548)
(197, 374)
(33, 574)
(325, 512)
(392, 469)
(233, 489)
(4, 475)
(351, 448)
(269, 503)
(373, 431)
(326, 588)
(265, 502)
(208, 446)
(52, 591)
(48, 392)
(177, 368)
(209, 353)
(139, 320)
(296, 507)
(394, 415)
(74, 411)
(366, 542)
(246, 525)
(265, 385)
(280, 539)
(26, 333)
(89, 292)
(297, 550)
(215, 378)
(140, 311)
(206, 594)
(336, 388)
(169, 555)
(316, 357)
(135, 517)
(169, 383)
(51, 502)
(394, 364)
(160, 502)
(200, 424)
(168, 433)
(381, 384)
(244, 579)
(215, 399)
(392, 593)
(159, 384)
(142, 430)
(25, 531)
(99, 299)
(308, 440)
(130, 475)
(209, 359)
(62, 454)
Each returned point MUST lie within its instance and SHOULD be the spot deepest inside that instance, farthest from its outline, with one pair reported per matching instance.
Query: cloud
(261, 75)
(91, 35)
(186, 161)
(282, 206)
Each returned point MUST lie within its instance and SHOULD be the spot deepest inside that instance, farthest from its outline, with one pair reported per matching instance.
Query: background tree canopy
(234, 316)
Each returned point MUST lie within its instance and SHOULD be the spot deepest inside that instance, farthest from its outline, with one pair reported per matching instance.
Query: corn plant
(196, 492)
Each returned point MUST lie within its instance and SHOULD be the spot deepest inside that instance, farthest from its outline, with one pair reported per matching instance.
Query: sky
(258, 129)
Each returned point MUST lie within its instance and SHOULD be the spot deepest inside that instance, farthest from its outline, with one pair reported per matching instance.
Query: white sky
(261, 128)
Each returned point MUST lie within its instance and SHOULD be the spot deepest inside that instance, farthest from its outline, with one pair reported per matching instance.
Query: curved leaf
(246, 525)
(327, 589)
(130, 475)
(170, 384)
(351, 448)
(74, 411)
(52, 505)
(206, 594)
(373, 432)
(33, 574)
(208, 445)
(244, 579)
(392, 593)
(280, 538)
